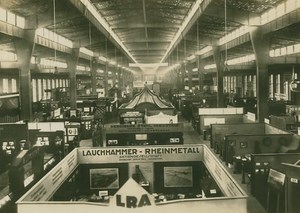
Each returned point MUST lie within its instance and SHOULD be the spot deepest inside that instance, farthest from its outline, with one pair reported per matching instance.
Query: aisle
(192, 137)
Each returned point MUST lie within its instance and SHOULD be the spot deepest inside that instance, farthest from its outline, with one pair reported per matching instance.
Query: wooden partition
(292, 172)
(208, 116)
(283, 122)
(241, 145)
(260, 166)
(218, 132)
(206, 120)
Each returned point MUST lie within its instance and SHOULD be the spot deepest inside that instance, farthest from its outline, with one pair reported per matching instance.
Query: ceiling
(146, 28)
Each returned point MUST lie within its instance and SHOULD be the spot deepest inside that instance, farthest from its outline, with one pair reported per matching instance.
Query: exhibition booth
(12, 143)
(142, 179)
(208, 116)
(292, 186)
(146, 100)
(144, 134)
(262, 166)
(257, 137)
(157, 117)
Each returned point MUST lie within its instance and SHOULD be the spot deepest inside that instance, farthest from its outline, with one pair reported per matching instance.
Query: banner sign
(221, 176)
(144, 128)
(220, 111)
(140, 154)
(131, 195)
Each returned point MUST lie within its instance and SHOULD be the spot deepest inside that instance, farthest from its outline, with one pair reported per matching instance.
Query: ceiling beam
(142, 40)
(233, 15)
(138, 49)
(191, 18)
(140, 25)
(148, 54)
(91, 13)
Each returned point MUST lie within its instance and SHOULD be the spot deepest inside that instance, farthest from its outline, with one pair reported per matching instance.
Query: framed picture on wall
(104, 178)
(178, 176)
(243, 144)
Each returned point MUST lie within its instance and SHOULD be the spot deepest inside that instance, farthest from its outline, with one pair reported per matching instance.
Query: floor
(192, 137)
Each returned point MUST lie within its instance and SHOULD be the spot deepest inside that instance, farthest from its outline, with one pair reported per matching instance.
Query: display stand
(292, 172)
(276, 191)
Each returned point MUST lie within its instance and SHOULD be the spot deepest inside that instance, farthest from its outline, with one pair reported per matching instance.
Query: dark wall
(241, 145)
(260, 166)
(229, 119)
(218, 131)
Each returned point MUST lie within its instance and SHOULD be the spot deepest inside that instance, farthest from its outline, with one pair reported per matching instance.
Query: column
(189, 69)
(106, 78)
(24, 49)
(219, 60)
(261, 47)
(72, 64)
(200, 65)
(94, 76)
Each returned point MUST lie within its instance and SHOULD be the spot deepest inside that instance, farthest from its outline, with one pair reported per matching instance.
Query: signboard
(276, 179)
(251, 116)
(141, 84)
(209, 121)
(132, 195)
(221, 176)
(267, 121)
(140, 154)
(72, 131)
(220, 111)
(144, 128)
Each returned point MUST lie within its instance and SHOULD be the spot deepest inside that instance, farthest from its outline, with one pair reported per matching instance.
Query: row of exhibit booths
(202, 117)
(143, 179)
(28, 152)
(255, 149)
(91, 114)
(276, 107)
(46, 110)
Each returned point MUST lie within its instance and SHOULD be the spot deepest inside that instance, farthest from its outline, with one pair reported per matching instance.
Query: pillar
(219, 60)
(94, 76)
(106, 78)
(72, 64)
(24, 48)
(200, 65)
(261, 47)
(189, 69)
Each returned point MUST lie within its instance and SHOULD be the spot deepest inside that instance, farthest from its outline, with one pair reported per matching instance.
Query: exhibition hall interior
(150, 106)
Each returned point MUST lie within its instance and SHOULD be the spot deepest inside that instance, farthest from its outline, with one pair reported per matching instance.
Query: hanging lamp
(55, 36)
(226, 68)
